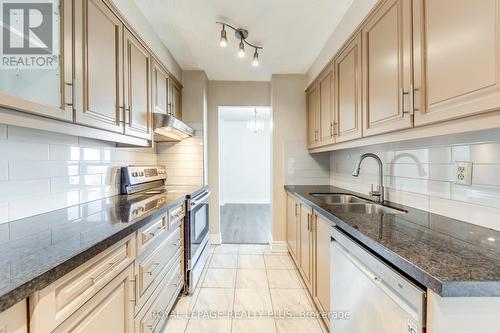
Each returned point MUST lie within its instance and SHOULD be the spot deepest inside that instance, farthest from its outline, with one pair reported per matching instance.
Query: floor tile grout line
(271, 298)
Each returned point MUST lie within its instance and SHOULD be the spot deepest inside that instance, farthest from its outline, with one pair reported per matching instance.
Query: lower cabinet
(14, 319)
(110, 310)
(306, 245)
(125, 289)
(322, 280)
(311, 233)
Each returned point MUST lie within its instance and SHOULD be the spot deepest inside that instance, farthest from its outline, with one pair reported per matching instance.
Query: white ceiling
(292, 33)
(230, 113)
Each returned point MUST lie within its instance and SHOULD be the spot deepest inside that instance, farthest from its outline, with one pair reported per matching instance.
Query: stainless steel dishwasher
(370, 296)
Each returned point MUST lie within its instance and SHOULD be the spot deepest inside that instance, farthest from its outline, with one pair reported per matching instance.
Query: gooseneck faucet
(355, 173)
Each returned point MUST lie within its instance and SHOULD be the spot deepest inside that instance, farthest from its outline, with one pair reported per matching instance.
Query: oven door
(198, 227)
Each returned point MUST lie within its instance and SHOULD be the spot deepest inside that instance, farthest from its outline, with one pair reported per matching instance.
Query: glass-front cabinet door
(36, 57)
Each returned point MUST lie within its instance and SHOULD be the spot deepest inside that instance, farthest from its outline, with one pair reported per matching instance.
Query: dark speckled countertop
(450, 257)
(38, 250)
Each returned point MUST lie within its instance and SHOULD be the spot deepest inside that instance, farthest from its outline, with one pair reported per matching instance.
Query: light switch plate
(463, 173)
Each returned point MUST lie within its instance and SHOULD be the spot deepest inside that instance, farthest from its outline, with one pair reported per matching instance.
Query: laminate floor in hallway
(246, 223)
(247, 289)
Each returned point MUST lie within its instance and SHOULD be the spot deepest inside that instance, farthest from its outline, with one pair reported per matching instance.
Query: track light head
(255, 61)
(241, 50)
(223, 38)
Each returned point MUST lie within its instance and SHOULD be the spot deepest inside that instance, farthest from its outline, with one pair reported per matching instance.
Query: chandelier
(255, 125)
(242, 35)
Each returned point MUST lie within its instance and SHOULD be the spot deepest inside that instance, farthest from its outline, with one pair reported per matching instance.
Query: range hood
(169, 128)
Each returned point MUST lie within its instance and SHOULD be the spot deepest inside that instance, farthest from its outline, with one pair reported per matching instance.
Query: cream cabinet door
(137, 64)
(306, 242)
(98, 57)
(322, 262)
(15, 319)
(387, 68)
(111, 310)
(312, 116)
(293, 215)
(160, 89)
(457, 58)
(326, 115)
(48, 90)
(348, 92)
(175, 99)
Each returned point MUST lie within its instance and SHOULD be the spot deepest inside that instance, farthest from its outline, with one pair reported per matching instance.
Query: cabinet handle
(134, 281)
(72, 93)
(155, 266)
(106, 271)
(335, 128)
(410, 94)
(331, 129)
(308, 222)
(296, 210)
(315, 135)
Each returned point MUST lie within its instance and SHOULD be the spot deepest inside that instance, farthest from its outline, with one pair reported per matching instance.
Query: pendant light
(242, 35)
(255, 125)
(223, 38)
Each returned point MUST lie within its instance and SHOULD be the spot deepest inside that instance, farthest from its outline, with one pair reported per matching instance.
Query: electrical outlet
(463, 173)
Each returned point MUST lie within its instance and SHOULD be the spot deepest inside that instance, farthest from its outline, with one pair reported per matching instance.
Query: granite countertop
(450, 257)
(38, 250)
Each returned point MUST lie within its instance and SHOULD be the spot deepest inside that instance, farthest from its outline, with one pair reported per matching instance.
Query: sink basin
(338, 198)
(366, 208)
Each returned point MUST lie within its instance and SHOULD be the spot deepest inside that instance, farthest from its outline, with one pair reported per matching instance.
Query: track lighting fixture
(242, 35)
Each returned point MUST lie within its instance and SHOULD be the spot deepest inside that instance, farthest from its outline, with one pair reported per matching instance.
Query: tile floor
(246, 289)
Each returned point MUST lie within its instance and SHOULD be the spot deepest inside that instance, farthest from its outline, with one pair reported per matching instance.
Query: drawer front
(151, 266)
(158, 307)
(150, 233)
(55, 303)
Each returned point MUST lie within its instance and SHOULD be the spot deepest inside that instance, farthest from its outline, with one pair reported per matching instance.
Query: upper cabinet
(98, 56)
(137, 69)
(457, 58)
(348, 92)
(313, 117)
(99, 74)
(44, 87)
(160, 89)
(175, 99)
(387, 68)
(326, 115)
(408, 66)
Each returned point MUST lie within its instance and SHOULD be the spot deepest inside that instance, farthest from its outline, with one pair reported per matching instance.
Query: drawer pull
(155, 266)
(134, 281)
(106, 271)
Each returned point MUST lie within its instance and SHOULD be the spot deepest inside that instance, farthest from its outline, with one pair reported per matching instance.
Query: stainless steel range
(150, 183)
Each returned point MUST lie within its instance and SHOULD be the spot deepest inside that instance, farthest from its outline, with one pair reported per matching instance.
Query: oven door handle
(196, 202)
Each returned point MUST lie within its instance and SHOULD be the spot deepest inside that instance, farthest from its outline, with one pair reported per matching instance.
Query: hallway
(246, 223)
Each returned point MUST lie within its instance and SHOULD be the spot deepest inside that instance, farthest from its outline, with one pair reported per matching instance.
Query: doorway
(245, 174)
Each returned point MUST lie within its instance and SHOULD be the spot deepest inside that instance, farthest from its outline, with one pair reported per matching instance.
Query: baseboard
(215, 239)
(278, 246)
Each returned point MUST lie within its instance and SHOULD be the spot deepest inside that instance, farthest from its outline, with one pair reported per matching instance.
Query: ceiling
(232, 113)
(292, 33)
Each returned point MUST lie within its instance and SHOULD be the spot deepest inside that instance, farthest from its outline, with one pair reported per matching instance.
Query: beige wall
(292, 162)
(194, 96)
(352, 18)
(227, 93)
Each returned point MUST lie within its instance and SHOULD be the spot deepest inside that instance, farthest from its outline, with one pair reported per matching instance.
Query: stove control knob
(134, 174)
(141, 173)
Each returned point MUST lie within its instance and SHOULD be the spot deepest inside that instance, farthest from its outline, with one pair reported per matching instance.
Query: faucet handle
(374, 193)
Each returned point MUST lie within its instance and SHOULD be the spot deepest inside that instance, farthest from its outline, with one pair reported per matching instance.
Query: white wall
(419, 173)
(358, 10)
(245, 166)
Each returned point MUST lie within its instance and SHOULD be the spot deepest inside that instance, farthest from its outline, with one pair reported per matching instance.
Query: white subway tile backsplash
(422, 177)
(19, 170)
(41, 204)
(3, 132)
(25, 188)
(23, 134)
(4, 212)
(4, 170)
(66, 184)
(486, 174)
(15, 151)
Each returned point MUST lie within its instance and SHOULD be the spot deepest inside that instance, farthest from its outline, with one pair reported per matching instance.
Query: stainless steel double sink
(348, 203)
